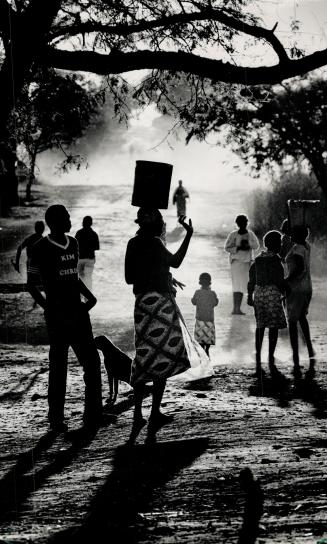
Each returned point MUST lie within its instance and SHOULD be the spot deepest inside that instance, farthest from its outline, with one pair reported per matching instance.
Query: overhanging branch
(215, 70)
(171, 20)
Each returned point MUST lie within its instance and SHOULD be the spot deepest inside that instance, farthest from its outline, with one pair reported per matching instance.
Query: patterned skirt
(159, 344)
(204, 332)
(268, 307)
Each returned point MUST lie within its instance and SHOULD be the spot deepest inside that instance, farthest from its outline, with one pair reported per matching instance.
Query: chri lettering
(67, 271)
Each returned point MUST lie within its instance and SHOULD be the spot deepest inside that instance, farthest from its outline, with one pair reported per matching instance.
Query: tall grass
(268, 208)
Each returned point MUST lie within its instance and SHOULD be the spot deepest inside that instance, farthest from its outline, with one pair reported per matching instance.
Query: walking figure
(55, 258)
(240, 245)
(265, 289)
(88, 244)
(205, 300)
(179, 198)
(28, 243)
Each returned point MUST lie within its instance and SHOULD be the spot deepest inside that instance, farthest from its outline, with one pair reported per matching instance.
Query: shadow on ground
(137, 472)
(26, 381)
(24, 478)
(276, 385)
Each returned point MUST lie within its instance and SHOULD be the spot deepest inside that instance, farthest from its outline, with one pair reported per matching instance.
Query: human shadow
(273, 384)
(238, 335)
(126, 403)
(253, 507)
(137, 472)
(307, 388)
(204, 384)
(28, 382)
(24, 478)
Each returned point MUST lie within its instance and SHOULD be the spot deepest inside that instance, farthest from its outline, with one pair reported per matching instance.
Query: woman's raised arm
(177, 258)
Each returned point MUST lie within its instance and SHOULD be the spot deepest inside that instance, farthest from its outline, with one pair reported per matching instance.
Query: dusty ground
(185, 488)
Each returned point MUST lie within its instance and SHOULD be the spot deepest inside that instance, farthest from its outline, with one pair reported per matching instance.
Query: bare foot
(137, 427)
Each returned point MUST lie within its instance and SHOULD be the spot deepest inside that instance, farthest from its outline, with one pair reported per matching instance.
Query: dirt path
(185, 488)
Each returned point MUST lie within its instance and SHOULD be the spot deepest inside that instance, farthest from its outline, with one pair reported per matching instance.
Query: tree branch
(179, 18)
(215, 70)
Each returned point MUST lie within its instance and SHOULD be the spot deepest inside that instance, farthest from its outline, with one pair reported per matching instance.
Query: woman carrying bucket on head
(159, 343)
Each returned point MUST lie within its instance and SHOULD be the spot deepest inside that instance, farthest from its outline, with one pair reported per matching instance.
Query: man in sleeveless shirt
(55, 257)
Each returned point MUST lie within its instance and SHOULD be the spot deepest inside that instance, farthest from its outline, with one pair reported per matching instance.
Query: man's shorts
(297, 304)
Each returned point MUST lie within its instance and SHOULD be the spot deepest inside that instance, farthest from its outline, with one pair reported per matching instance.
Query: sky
(112, 160)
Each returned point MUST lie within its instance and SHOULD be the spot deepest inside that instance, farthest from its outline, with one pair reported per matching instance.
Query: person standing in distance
(179, 198)
(88, 244)
(67, 318)
(240, 245)
(28, 243)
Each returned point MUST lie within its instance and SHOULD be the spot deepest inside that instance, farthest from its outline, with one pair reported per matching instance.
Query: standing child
(265, 289)
(299, 293)
(205, 300)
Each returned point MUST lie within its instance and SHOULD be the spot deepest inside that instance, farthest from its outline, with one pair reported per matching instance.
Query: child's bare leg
(273, 337)
(292, 327)
(306, 333)
(259, 334)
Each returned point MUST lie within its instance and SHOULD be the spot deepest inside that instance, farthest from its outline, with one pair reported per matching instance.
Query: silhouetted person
(240, 245)
(265, 289)
(159, 342)
(55, 257)
(179, 198)
(88, 244)
(286, 242)
(28, 243)
(205, 301)
(300, 292)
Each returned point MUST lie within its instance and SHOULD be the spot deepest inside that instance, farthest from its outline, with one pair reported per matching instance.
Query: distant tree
(52, 113)
(285, 127)
(279, 126)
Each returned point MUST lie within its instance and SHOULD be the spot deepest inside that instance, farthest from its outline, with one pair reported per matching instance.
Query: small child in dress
(205, 300)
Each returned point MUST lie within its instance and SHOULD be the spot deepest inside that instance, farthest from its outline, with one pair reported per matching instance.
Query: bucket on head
(301, 212)
(152, 184)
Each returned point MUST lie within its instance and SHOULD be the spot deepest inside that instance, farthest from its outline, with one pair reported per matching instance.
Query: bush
(268, 208)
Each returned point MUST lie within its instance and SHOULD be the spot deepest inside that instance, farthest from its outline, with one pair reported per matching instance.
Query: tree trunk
(8, 179)
(31, 176)
(23, 38)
